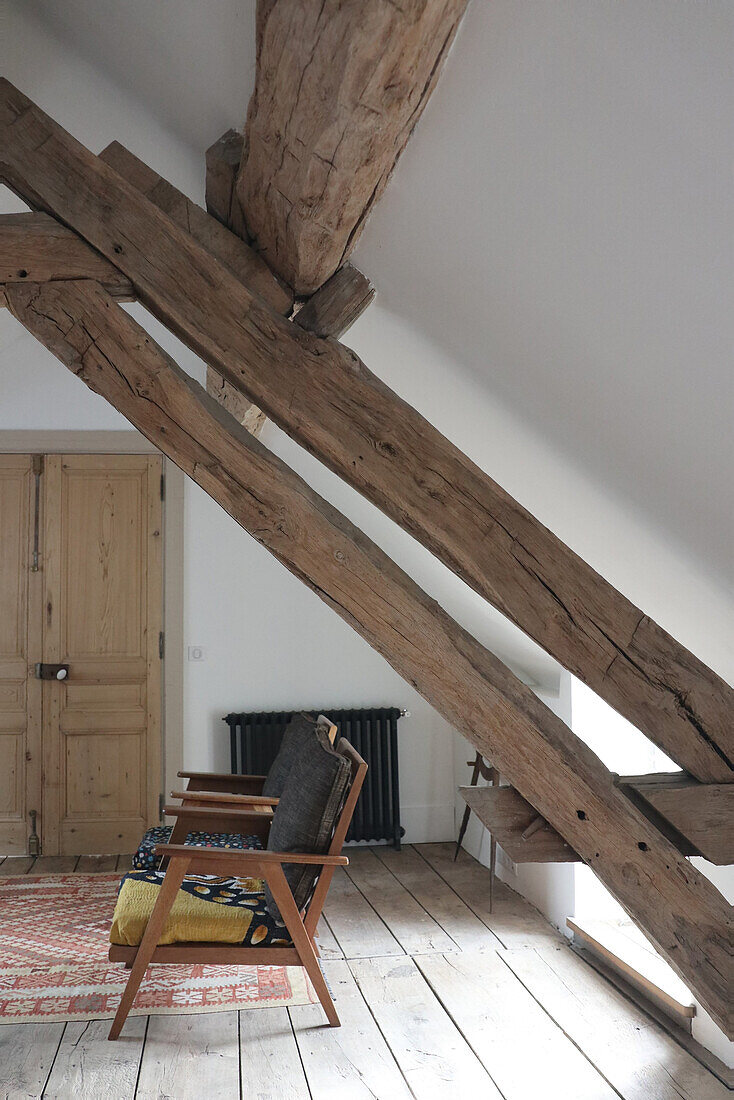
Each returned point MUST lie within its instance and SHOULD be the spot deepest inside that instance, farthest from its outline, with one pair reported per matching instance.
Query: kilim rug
(54, 939)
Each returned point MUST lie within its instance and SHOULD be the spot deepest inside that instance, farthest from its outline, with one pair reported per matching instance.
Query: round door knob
(62, 674)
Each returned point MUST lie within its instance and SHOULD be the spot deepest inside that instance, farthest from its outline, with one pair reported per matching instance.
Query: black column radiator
(254, 740)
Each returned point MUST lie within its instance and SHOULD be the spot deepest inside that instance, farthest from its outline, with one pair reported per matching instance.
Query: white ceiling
(561, 223)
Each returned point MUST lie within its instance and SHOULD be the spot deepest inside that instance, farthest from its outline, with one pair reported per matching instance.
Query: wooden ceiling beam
(34, 247)
(325, 398)
(229, 248)
(336, 305)
(681, 911)
(222, 164)
(701, 813)
(339, 88)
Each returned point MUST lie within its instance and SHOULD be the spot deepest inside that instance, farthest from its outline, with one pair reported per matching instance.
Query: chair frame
(267, 865)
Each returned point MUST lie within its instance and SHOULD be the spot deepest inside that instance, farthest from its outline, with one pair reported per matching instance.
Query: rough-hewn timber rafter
(678, 907)
(339, 88)
(336, 305)
(36, 248)
(241, 260)
(322, 395)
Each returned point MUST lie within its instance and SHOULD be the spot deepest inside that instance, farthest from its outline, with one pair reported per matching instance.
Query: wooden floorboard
(434, 1057)
(17, 865)
(415, 929)
(359, 931)
(27, 1053)
(437, 898)
(89, 1067)
(632, 1052)
(55, 865)
(517, 1043)
(270, 1063)
(327, 941)
(513, 920)
(186, 1057)
(351, 1062)
(432, 1006)
(90, 865)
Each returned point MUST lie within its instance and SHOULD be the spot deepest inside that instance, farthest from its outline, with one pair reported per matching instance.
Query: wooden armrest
(232, 813)
(249, 855)
(219, 776)
(222, 797)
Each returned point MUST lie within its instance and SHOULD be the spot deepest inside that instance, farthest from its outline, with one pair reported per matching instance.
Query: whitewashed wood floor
(438, 999)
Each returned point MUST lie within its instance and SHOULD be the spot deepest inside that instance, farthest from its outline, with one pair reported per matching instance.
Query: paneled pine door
(99, 610)
(20, 645)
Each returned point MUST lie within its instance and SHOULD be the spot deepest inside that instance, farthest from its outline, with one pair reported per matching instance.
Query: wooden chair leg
(301, 940)
(174, 876)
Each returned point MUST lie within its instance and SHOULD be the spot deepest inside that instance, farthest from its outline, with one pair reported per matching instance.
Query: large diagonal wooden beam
(36, 248)
(683, 913)
(230, 249)
(323, 395)
(339, 88)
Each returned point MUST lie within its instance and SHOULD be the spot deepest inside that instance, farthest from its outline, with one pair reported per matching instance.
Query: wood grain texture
(20, 645)
(323, 396)
(184, 1055)
(35, 247)
(352, 1061)
(241, 260)
(339, 88)
(27, 1052)
(357, 928)
(434, 1057)
(681, 911)
(622, 1042)
(415, 930)
(222, 164)
(337, 304)
(513, 922)
(88, 1065)
(703, 813)
(437, 898)
(270, 1065)
(517, 1043)
(508, 816)
(103, 598)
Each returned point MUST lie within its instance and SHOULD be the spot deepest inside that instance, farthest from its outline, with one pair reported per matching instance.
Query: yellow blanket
(192, 919)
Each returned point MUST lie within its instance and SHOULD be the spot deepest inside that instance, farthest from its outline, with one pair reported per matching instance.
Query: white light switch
(196, 653)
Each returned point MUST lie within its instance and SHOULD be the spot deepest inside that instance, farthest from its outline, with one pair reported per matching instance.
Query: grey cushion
(297, 729)
(306, 815)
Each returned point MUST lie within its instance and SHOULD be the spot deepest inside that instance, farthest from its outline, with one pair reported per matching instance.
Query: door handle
(51, 672)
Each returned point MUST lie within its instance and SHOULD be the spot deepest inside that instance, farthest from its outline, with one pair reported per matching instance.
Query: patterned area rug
(54, 939)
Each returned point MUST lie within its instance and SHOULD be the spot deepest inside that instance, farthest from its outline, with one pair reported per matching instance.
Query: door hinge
(163, 486)
(161, 645)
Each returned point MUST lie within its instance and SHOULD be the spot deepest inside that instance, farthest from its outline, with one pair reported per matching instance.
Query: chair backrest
(358, 772)
(290, 747)
(358, 768)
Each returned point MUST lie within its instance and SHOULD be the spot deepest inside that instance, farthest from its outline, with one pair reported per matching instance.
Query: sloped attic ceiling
(560, 222)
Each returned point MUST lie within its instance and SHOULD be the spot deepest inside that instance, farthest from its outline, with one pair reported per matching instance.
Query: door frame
(172, 672)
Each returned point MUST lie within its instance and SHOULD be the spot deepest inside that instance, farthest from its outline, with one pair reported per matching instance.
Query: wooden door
(102, 616)
(20, 647)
